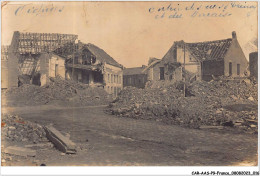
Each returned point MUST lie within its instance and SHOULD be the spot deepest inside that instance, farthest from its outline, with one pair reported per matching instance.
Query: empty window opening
(238, 69)
(161, 73)
(230, 68)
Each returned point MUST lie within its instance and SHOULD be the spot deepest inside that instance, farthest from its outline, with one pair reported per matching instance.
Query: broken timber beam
(20, 151)
(60, 141)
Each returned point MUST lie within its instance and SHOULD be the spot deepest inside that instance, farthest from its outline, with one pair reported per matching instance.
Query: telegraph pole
(184, 70)
(73, 56)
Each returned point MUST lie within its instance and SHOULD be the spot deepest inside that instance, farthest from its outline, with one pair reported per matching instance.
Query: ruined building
(91, 65)
(202, 60)
(25, 52)
(34, 58)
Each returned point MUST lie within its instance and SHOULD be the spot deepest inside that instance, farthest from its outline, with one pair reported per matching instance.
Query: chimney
(234, 35)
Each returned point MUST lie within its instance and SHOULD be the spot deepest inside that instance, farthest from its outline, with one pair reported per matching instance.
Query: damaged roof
(133, 71)
(211, 50)
(36, 43)
(102, 55)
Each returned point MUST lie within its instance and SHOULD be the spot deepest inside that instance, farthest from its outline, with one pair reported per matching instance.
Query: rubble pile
(204, 103)
(15, 129)
(58, 91)
(228, 90)
(21, 139)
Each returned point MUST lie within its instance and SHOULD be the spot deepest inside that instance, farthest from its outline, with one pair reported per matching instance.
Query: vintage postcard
(129, 83)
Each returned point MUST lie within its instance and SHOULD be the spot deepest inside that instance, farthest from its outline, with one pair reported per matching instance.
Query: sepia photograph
(129, 83)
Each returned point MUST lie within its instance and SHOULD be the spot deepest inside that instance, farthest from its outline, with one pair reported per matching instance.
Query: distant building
(153, 71)
(204, 60)
(134, 77)
(158, 70)
(253, 65)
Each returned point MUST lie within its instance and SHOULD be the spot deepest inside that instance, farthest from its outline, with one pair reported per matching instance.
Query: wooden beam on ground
(60, 141)
(20, 151)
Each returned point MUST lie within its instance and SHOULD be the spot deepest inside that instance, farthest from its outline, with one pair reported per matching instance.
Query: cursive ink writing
(36, 10)
(198, 10)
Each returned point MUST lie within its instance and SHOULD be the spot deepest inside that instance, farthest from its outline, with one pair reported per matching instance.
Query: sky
(132, 32)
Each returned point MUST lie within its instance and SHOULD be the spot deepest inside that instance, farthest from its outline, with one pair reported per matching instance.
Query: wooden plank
(60, 141)
(20, 151)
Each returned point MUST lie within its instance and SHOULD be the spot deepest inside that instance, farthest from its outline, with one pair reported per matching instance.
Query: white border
(110, 170)
(136, 170)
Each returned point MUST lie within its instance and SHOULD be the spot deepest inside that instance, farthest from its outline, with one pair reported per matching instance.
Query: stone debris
(215, 103)
(18, 130)
(21, 138)
(59, 92)
(61, 142)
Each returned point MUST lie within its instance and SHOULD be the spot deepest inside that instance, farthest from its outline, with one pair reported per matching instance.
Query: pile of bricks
(58, 92)
(203, 104)
(15, 129)
(22, 139)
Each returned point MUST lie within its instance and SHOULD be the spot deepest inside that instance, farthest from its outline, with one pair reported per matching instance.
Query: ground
(104, 139)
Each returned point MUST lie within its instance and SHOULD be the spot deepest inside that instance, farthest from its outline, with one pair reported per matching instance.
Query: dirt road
(108, 140)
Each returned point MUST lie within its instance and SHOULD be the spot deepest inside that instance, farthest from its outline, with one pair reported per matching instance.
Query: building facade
(153, 71)
(113, 79)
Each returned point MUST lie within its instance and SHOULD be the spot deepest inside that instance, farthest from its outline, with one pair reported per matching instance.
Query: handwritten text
(37, 10)
(196, 9)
